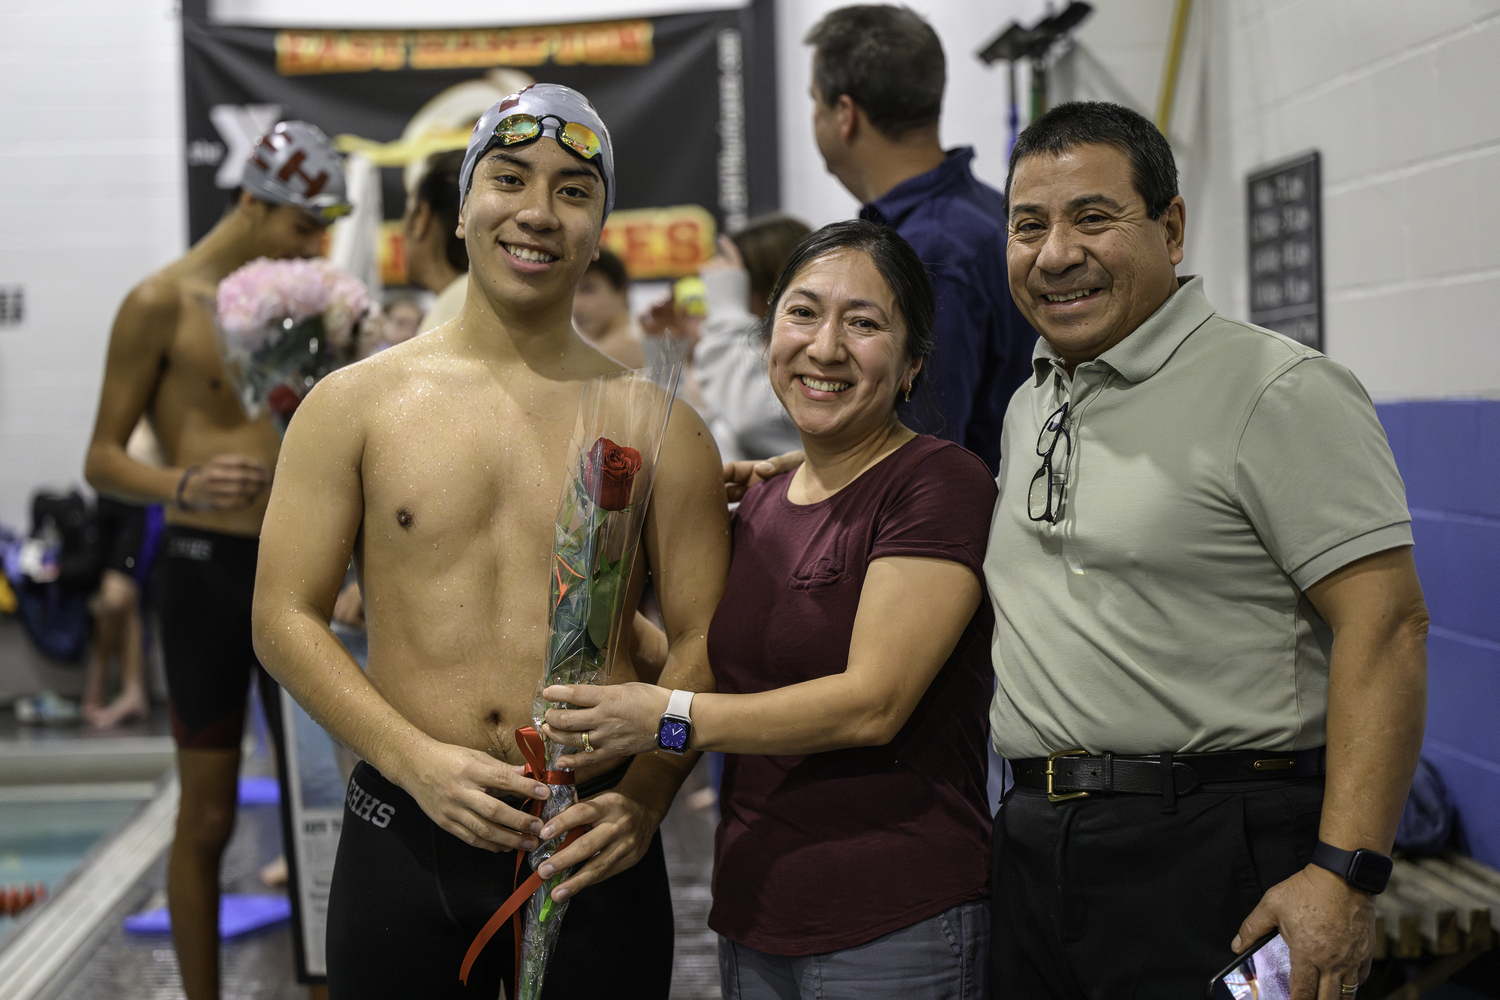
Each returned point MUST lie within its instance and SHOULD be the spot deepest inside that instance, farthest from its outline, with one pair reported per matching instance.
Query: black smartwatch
(675, 727)
(1367, 871)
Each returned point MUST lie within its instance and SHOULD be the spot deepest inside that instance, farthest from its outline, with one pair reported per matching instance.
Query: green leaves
(608, 585)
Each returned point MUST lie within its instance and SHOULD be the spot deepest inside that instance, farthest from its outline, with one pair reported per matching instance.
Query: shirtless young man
(164, 362)
(439, 464)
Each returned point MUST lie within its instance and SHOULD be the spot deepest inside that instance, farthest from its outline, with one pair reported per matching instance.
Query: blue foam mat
(259, 792)
(238, 914)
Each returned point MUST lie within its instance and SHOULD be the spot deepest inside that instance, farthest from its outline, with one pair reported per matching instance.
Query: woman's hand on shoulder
(616, 720)
(740, 476)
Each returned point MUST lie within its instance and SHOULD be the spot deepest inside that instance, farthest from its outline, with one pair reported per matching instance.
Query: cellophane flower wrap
(282, 326)
(622, 421)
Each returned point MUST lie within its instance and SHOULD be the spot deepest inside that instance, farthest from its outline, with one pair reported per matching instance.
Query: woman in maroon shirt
(851, 651)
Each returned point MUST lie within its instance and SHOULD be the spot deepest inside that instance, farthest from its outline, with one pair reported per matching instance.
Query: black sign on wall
(1285, 228)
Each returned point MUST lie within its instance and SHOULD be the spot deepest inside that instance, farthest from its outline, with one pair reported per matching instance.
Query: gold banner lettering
(301, 52)
(614, 43)
(654, 243)
(661, 242)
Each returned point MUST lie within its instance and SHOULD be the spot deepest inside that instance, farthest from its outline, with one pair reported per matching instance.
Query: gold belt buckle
(1051, 774)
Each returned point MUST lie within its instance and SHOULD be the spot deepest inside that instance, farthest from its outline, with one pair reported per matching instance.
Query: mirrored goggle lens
(517, 128)
(581, 140)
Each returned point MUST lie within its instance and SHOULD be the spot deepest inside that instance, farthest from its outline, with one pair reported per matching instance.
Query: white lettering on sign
(12, 305)
(734, 195)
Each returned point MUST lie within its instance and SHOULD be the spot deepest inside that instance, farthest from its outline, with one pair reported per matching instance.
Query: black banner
(689, 100)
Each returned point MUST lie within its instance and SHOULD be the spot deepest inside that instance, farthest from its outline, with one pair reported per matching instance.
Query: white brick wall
(90, 201)
(1403, 101)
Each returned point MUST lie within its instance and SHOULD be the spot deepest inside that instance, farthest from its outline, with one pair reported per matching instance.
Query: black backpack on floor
(56, 614)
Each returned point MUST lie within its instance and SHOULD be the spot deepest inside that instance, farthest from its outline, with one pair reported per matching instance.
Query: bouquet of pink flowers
(284, 324)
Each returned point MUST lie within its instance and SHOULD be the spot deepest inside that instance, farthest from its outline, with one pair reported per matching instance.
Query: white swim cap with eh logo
(295, 164)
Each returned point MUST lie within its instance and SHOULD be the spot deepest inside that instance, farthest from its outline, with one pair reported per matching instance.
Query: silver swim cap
(544, 109)
(295, 164)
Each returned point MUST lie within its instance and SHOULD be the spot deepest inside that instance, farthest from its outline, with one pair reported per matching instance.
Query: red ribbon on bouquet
(535, 752)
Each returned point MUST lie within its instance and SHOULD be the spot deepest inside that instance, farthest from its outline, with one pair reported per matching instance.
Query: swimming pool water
(44, 841)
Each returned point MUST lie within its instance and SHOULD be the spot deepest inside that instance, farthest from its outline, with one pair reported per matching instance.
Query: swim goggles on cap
(328, 213)
(517, 129)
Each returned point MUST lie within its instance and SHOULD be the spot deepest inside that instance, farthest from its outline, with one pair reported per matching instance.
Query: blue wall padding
(1449, 455)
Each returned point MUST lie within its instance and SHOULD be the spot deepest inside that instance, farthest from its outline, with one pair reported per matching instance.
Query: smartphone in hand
(1262, 972)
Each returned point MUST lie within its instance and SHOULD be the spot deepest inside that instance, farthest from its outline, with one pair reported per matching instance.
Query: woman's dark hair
(765, 244)
(612, 267)
(892, 256)
(887, 59)
(438, 190)
(1153, 170)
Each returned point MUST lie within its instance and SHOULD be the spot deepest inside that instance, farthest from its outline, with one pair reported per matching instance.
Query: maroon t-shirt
(830, 850)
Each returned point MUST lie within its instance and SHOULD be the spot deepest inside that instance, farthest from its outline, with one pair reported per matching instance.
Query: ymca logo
(367, 807)
(240, 125)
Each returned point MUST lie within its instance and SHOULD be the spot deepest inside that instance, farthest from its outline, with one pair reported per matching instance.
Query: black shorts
(205, 584)
(408, 898)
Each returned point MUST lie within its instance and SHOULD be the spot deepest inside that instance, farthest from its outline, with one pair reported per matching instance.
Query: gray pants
(945, 957)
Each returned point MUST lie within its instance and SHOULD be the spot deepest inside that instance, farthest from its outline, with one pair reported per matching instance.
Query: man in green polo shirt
(1201, 570)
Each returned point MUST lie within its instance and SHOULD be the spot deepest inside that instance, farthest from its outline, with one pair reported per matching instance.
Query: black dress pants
(1108, 898)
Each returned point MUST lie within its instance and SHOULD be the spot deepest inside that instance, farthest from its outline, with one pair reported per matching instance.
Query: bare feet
(274, 875)
(128, 707)
(92, 703)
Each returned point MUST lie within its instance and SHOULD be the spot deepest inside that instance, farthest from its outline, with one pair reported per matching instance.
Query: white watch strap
(680, 704)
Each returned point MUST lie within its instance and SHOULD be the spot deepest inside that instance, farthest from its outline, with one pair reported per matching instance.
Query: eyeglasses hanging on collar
(1050, 484)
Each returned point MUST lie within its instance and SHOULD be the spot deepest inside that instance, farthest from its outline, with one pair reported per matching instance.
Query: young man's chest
(472, 469)
(192, 392)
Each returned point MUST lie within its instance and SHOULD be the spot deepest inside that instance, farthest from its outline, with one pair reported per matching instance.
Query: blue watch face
(673, 735)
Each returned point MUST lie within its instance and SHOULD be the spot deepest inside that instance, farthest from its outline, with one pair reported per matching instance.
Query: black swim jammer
(408, 898)
(205, 585)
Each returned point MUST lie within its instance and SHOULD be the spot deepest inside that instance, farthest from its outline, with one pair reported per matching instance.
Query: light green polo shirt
(1217, 471)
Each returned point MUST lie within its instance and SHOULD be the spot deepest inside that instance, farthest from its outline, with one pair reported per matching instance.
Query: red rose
(283, 400)
(609, 473)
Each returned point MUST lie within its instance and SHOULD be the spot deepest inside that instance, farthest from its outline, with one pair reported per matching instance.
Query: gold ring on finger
(1348, 989)
(587, 746)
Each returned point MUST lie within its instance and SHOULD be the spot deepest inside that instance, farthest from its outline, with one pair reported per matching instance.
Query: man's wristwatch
(1367, 871)
(675, 727)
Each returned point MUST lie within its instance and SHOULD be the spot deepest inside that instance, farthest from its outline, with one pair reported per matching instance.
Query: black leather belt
(1074, 774)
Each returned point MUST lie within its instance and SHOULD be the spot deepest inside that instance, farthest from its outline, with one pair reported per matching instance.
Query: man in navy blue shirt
(878, 79)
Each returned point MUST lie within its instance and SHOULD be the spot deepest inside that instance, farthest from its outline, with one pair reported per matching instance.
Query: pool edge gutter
(46, 945)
